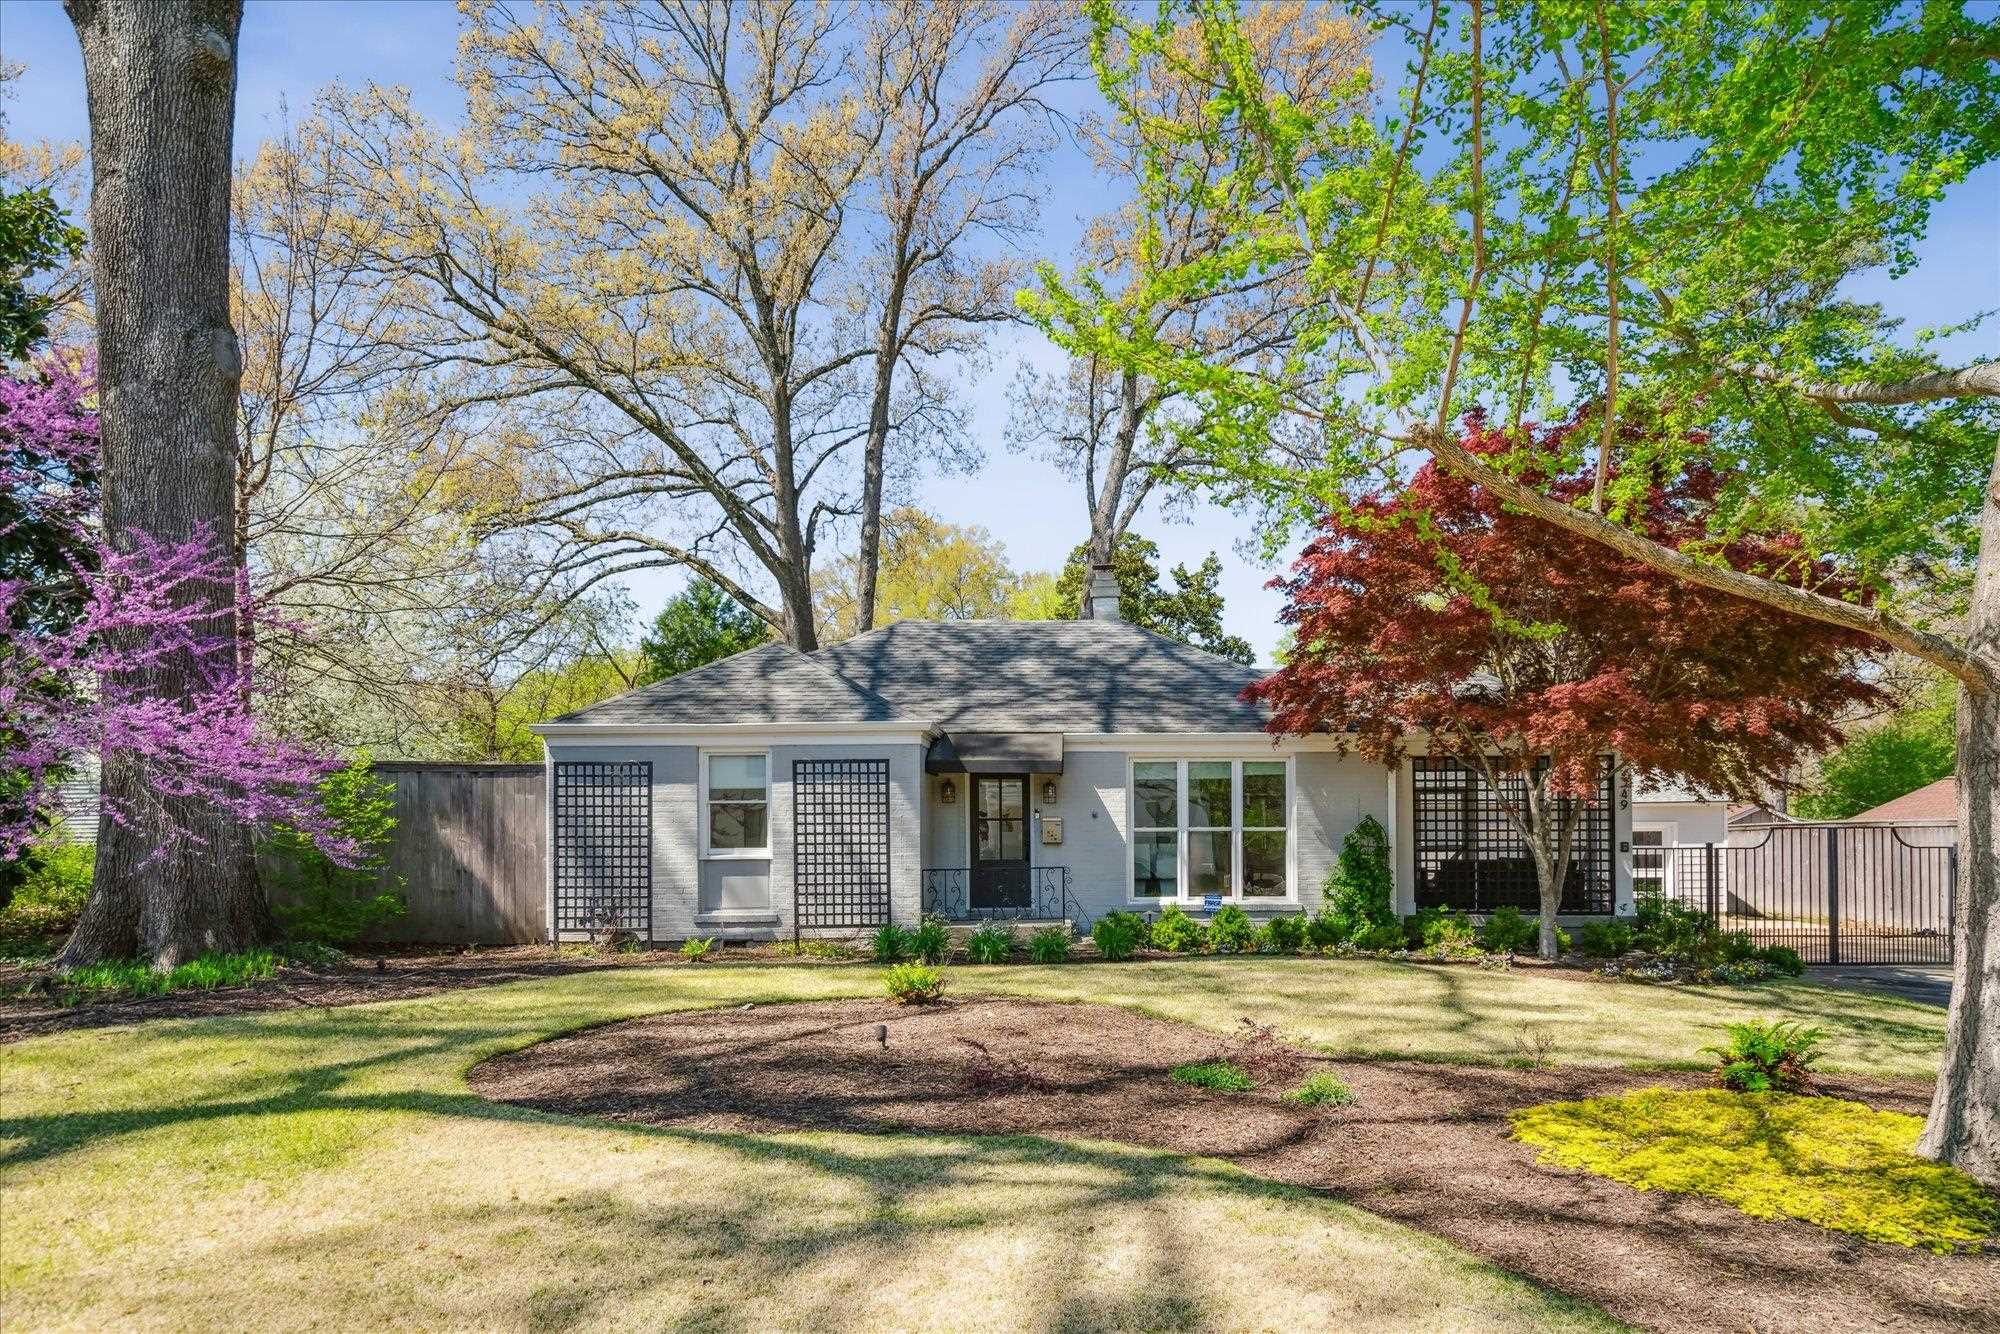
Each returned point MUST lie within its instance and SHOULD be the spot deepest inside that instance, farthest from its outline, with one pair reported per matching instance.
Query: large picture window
(1202, 827)
(736, 801)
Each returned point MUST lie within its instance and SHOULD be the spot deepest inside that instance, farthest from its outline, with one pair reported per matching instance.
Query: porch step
(1021, 927)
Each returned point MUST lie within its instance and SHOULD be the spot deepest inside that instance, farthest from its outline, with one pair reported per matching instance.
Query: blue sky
(292, 48)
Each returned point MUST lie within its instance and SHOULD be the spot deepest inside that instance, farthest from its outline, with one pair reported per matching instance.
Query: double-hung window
(1202, 827)
(736, 802)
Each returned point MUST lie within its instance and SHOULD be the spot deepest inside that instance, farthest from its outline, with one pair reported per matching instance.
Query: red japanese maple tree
(1536, 659)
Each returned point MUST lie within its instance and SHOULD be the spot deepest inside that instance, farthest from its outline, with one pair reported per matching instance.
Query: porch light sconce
(948, 792)
(1049, 792)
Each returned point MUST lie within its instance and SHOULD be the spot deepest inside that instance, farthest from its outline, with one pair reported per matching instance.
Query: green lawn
(329, 1167)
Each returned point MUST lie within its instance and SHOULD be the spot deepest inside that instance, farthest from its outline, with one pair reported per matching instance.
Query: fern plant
(1765, 1057)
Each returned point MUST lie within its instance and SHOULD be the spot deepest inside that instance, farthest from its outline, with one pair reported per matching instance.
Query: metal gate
(840, 843)
(1836, 893)
(603, 847)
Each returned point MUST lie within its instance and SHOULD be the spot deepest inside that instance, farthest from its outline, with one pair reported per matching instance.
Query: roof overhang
(996, 753)
(902, 730)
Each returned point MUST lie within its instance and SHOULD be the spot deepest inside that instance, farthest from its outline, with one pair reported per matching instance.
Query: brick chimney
(1100, 599)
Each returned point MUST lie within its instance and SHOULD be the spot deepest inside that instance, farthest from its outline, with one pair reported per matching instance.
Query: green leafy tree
(699, 625)
(1914, 746)
(930, 570)
(34, 238)
(1191, 611)
(1645, 221)
(332, 902)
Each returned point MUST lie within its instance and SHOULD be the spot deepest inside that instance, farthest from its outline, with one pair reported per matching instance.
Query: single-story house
(1041, 770)
(1932, 803)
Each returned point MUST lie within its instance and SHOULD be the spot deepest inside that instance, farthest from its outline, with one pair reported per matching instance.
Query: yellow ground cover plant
(1839, 1164)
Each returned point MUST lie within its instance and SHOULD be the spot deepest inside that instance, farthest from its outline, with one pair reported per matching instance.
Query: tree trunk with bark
(161, 81)
(1964, 1124)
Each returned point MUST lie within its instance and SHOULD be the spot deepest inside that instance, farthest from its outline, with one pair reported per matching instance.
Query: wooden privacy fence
(470, 845)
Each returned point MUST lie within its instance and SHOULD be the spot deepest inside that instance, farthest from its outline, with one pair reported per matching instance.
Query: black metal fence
(1836, 893)
(1020, 894)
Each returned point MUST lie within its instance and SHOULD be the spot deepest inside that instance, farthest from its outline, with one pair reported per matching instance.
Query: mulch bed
(1425, 1144)
(398, 976)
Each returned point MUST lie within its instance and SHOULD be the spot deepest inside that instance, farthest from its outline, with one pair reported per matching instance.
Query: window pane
(1010, 798)
(1263, 794)
(1208, 794)
(1208, 862)
(735, 824)
(1153, 794)
(1263, 863)
(736, 777)
(1154, 874)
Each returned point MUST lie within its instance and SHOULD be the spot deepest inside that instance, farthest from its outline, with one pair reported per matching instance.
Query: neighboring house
(1037, 770)
(1747, 816)
(1667, 815)
(1929, 804)
(77, 796)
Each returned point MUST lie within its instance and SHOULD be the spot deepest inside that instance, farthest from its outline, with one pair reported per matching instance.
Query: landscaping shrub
(695, 950)
(1049, 945)
(134, 977)
(312, 954)
(1782, 959)
(53, 886)
(990, 944)
(1508, 931)
(914, 984)
(1429, 927)
(1675, 931)
(1231, 931)
(319, 899)
(1217, 1076)
(1178, 933)
(1389, 937)
(891, 943)
(1325, 930)
(1838, 1164)
(1361, 886)
(1606, 940)
(1735, 946)
(814, 949)
(1765, 1057)
(1119, 935)
(931, 941)
(1324, 1089)
(1287, 934)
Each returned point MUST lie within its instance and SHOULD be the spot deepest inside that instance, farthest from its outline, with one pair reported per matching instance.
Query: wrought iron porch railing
(1027, 893)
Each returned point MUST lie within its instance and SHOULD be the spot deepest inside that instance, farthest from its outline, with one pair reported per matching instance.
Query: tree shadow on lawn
(903, 1230)
(1425, 1144)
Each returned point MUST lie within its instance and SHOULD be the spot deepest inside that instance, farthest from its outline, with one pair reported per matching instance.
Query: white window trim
(702, 758)
(1180, 760)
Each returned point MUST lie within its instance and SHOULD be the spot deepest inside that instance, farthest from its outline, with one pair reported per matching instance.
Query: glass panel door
(999, 842)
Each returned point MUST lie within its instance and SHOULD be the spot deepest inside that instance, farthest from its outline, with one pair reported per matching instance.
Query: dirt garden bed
(1424, 1144)
(397, 974)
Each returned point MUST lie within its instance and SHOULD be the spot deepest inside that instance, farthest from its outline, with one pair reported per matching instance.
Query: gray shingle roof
(1062, 676)
(771, 684)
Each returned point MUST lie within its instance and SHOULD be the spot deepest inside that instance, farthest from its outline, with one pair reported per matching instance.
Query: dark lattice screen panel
(1470, 857)
(604, 846)
(840, 842)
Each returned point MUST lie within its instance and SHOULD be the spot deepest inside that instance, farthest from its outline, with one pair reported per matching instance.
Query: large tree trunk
(161, 80)
(1964, 1124)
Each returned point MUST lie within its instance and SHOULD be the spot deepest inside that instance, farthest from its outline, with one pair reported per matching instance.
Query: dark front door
(999, 843)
